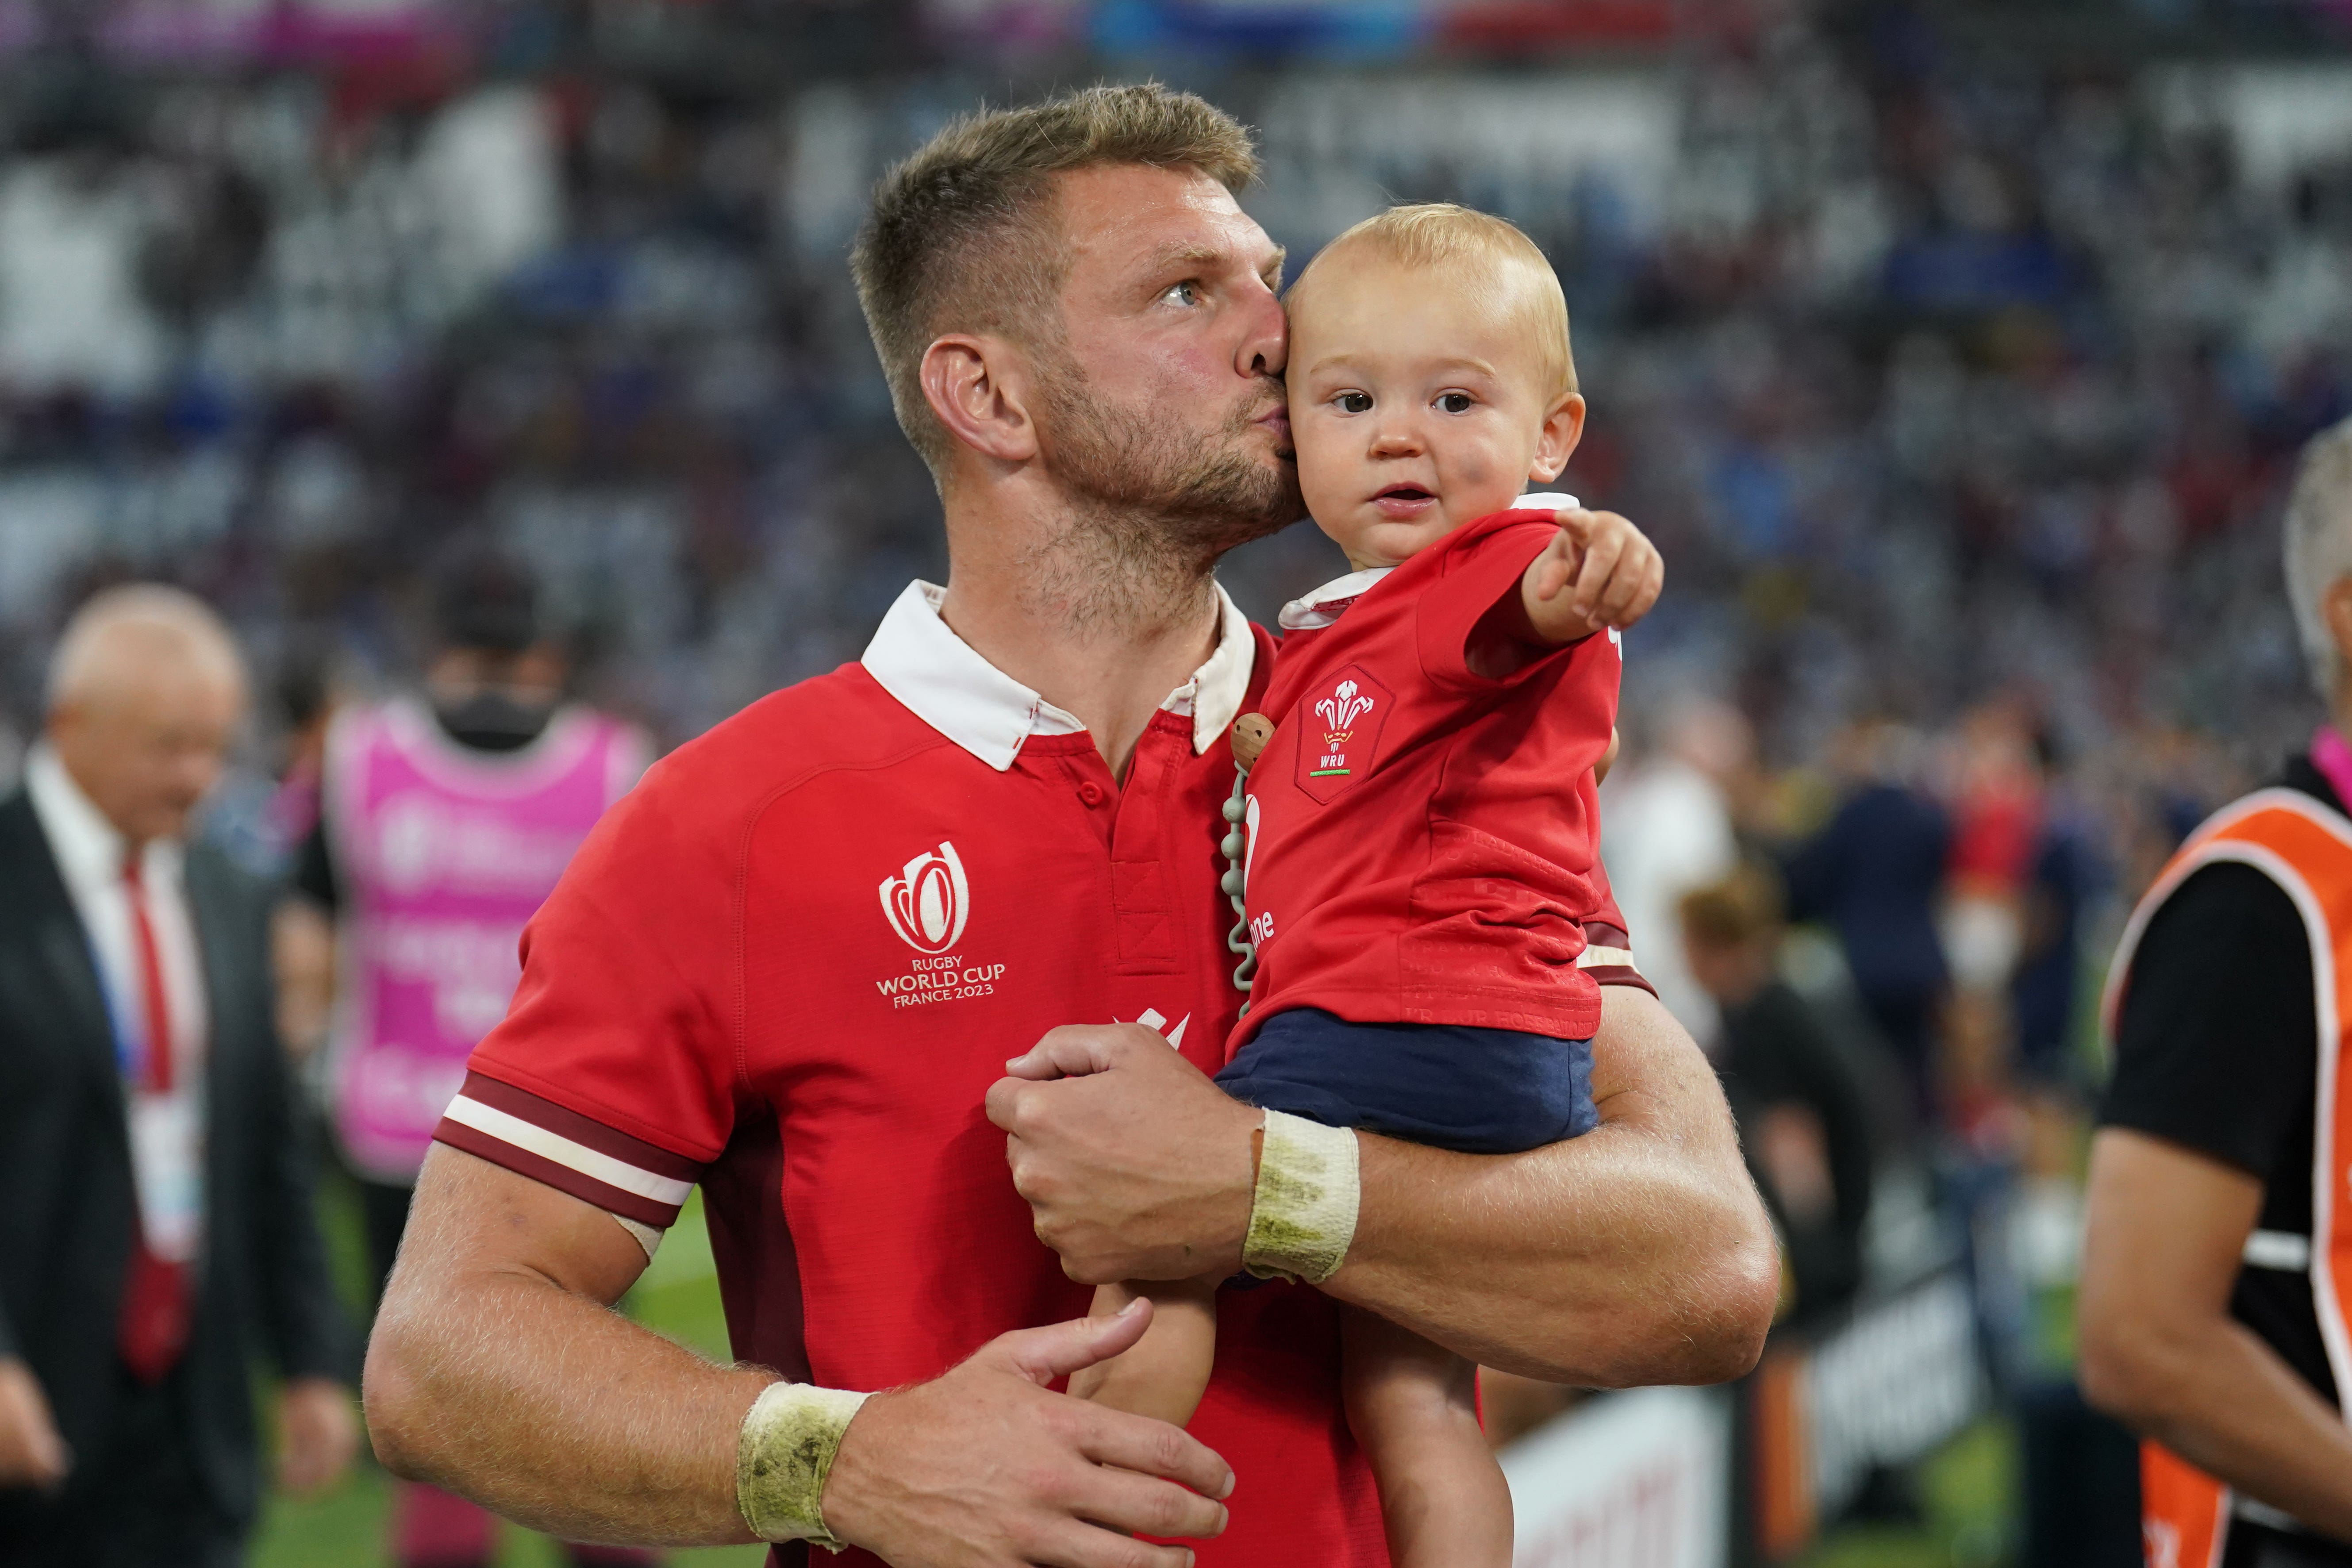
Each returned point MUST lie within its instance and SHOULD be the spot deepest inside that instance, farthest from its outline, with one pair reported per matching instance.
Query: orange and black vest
(2306, 848)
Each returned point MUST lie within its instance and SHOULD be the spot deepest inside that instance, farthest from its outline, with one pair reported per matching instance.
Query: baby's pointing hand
(1615, 572)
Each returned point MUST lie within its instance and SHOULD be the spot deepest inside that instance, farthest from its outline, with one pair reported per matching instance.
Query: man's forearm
(501, 1383)
(2162, 1253)
(496, 1372)
(2230, 1407)
(1636, 1253)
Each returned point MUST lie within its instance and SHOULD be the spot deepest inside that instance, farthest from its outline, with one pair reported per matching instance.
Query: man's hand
(31, 1452)
(1134, 1165)
(985, 1467)
(1599, 570)
(317, 1435)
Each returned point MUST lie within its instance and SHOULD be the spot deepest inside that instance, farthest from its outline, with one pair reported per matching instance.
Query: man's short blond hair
(961, 238)
(1475, 250)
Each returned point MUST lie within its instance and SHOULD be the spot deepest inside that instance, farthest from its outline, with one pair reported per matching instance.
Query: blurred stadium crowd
(1935, 375)
(1959, 384)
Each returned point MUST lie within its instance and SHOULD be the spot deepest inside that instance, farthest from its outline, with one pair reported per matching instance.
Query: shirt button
(1091, 793)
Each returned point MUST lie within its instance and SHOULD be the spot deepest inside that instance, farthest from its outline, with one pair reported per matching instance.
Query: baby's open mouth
(1403, 501)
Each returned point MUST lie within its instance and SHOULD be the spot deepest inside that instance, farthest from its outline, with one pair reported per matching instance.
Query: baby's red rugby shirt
(1424, 840)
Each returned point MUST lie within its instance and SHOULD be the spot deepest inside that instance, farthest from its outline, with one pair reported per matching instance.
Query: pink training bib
(443, 853)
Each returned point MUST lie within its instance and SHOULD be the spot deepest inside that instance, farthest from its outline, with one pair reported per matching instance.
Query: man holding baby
(1084, 339)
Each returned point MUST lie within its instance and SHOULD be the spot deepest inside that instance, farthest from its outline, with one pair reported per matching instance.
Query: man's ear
(1563, 427)
(975, 388)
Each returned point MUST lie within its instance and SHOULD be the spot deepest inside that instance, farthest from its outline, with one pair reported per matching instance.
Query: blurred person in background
(1802, 1115)
(1996, 815)
(2068, 871)
(445, 818)
(301, 935)
(1667, 828)
(2217, 1275)
(154, 1189)
(1876, 874)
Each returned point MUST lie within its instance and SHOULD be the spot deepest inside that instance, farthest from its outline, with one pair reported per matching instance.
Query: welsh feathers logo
(1346, 720)
(927, 901)
(1341, 710)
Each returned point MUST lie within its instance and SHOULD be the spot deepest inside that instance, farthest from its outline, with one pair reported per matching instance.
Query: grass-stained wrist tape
(781, 1456)
(1303, 1215)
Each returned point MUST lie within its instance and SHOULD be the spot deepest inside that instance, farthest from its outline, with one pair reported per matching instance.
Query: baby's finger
(1644, 587)
(1625, 588)
(1601, 558)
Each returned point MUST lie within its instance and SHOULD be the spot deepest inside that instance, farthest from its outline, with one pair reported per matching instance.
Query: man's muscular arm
(2160, 1351)
(1636, 1253)
(497, 1369)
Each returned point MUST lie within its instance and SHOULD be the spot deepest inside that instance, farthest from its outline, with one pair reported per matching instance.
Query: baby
(1420, 824)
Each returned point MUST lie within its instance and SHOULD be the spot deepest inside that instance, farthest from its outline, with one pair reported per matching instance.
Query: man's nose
(1265, 348)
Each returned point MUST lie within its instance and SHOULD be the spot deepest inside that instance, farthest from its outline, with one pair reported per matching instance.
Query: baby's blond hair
(1482, 250)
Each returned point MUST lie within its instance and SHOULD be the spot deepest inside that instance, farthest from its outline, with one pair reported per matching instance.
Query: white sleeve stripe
(562, 1150)
(1606, 958)
(2277, 1250)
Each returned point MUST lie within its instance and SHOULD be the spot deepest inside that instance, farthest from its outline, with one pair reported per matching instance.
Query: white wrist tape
(1303, 1216)
(782, 1456)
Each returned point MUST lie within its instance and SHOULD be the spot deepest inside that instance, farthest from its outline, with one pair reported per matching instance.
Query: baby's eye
(1454, 402)
(1354, 402)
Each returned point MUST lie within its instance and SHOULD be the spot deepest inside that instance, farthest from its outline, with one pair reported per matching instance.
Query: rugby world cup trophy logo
(927, 901)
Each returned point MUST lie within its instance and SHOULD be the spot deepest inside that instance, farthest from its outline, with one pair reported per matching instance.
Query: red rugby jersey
(788, 965)
(1423, 843)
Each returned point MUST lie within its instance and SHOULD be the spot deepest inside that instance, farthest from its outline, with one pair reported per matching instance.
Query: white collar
(917, 658)
(1321, 608)
(89, 847)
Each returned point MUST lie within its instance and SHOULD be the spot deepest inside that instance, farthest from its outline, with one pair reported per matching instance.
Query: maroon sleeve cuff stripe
(545, 1113)
(562, 1178)
(533, 1136)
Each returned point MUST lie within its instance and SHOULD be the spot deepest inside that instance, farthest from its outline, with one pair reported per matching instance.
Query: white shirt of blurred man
(1666, 831)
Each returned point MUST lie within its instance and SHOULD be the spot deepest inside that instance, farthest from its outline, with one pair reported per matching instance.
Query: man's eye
(1354, 402)
(1454, 402)
(1185, 293)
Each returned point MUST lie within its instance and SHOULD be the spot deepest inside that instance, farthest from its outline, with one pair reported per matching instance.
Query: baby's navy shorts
(1477, 1091)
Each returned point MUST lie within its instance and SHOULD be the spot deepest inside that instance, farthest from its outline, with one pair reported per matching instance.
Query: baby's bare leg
(1164, 1374)
(1414, 1408)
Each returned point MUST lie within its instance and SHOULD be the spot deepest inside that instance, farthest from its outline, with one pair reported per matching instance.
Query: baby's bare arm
(1413, 1408)
(1165, 1373)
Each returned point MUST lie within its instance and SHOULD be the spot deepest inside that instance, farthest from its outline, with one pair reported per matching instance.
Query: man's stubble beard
(1152, 505)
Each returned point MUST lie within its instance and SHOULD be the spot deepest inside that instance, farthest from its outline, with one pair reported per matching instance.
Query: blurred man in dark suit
(155, 1223)
(1876, 873)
